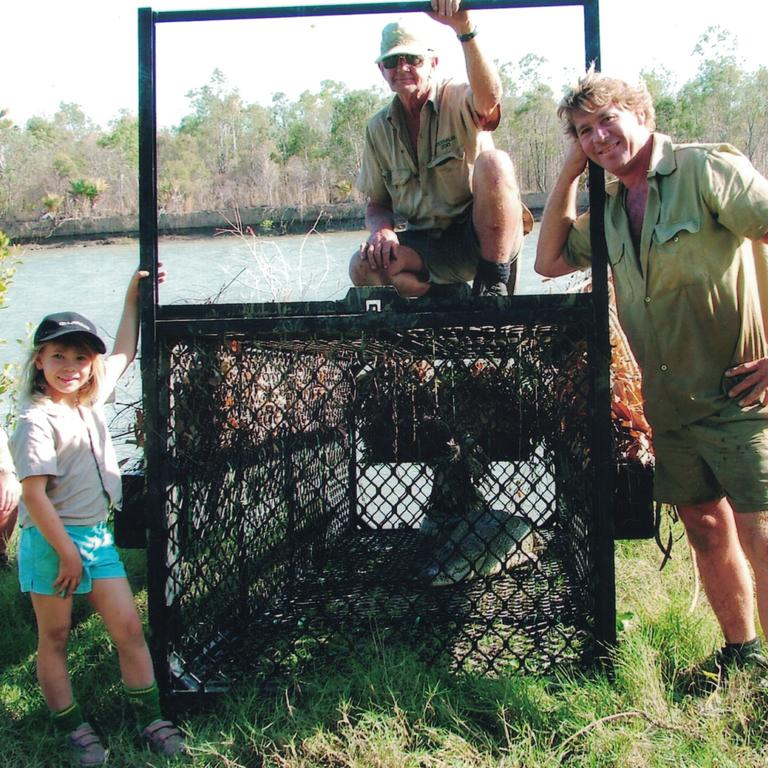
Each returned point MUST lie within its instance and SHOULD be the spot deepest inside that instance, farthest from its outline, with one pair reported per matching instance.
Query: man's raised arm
(482, 74)
(559, 215)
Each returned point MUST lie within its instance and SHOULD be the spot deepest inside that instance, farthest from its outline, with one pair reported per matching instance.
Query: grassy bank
(386, 708)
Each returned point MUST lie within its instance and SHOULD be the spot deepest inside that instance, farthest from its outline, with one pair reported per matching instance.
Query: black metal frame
(159, 322)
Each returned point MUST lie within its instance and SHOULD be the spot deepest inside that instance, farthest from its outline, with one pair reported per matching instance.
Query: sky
(85, 51)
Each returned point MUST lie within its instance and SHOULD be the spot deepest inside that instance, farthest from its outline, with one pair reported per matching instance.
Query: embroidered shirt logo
(443, 144)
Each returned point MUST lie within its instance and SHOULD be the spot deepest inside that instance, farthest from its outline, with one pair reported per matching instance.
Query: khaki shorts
(451, 255)
(722, 455)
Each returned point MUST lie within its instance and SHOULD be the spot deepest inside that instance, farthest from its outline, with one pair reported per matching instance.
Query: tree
(53, 205)
(661, 87)
(752, 114)
(350, 113)
(71, 119)
(123, 137)
(708, 107)
(87, 189)
(530, 130)
(228, 139)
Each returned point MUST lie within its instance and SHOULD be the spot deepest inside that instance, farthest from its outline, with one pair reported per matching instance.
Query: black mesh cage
(426, 475)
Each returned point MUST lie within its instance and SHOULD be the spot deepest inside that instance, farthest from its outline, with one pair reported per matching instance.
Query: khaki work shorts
(721, 455)
(451, 255)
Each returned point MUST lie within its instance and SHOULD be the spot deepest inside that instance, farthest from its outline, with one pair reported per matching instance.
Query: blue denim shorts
(39, 563)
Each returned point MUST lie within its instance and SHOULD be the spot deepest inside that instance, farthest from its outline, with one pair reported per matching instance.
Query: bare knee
(54, 637)
(494, 167)
(358, 270)
(753, 535)
(361, 274)
(128, 633)
(709, 527)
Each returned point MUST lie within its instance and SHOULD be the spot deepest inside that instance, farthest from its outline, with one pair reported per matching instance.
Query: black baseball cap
(65, 324)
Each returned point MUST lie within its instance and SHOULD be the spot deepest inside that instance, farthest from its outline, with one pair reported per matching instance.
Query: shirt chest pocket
(450, 176)
(402, 186)
(677, 250)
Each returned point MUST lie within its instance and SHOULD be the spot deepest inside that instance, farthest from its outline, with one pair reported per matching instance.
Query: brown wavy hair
(594, 90)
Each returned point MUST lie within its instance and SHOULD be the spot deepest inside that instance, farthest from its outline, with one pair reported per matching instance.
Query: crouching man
(429, 159)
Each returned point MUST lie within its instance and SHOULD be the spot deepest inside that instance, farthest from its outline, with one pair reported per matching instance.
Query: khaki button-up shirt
(433, 188)
(689, 301)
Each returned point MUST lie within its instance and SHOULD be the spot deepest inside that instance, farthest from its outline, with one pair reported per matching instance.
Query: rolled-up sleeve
(578, 247)
(370, 179)
(736, 193)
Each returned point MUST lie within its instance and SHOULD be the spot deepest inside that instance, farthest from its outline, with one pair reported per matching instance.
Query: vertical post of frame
(604, 462)
(150, 360)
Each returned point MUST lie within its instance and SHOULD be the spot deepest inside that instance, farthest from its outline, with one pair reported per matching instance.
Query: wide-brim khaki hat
(400, 40)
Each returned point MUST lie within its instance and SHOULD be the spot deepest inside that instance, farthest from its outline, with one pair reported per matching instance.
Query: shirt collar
(662, 162)
(662, 156)
(434, 98)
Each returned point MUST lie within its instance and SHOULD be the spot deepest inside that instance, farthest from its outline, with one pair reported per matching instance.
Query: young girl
(69, 475)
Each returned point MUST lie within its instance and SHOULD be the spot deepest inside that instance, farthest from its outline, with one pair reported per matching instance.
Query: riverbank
(262, 220)
(340, 217)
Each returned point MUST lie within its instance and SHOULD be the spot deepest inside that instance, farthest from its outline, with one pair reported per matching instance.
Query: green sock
(145, 703)
(66, 720)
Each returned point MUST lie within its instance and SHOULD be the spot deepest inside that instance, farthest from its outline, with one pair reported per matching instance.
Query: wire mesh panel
(430, 481)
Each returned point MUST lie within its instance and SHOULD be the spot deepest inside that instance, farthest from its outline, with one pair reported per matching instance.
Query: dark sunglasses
(390, 62)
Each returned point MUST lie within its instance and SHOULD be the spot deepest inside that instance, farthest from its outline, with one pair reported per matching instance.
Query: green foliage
(87, 189)
(64, 166)
(723, 102)
(8, 259)
(123, 137)
(70, 119)
(52, 203)
(41, 130)
(349, 116)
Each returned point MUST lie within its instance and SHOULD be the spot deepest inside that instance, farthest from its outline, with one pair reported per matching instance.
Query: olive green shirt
(430, 189)
(689, 302)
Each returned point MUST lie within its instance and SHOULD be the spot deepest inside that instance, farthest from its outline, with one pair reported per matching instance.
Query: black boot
(491, 279)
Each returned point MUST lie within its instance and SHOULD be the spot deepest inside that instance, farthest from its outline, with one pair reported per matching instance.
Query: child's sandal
(85, 746)
(164, 738)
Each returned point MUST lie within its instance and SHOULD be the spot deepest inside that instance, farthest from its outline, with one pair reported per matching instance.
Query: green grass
(385, 708)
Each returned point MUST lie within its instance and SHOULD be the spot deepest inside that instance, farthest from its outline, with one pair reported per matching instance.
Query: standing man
(429, 158)
(683, 224)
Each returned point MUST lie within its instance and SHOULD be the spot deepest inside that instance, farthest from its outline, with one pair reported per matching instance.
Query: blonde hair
(33, 379)
(594, 90)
